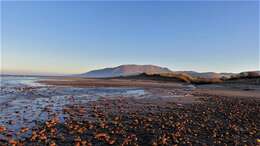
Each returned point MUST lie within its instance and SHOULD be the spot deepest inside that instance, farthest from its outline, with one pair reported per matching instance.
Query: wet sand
(228, 93)
(167, 114)
(85, 82)
(151, 84)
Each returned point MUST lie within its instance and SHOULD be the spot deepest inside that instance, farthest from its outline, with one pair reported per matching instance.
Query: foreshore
(212, 121)
(169, 114)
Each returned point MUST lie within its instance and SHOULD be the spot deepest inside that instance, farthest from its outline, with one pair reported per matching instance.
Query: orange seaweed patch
(2, 128)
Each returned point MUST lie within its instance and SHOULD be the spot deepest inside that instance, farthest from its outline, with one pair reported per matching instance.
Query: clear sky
(75, 37)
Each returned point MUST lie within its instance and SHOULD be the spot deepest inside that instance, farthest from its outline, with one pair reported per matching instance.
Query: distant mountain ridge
(132, 69)
(126, 70)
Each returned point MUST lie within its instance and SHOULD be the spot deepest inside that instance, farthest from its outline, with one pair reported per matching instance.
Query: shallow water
(23, 102)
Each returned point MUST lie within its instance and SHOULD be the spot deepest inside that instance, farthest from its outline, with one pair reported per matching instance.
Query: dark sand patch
(85, 82)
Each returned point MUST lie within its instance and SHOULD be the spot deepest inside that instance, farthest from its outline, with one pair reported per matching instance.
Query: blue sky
(75, 37)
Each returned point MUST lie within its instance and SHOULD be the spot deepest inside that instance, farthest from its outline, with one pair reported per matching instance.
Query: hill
(126, 70)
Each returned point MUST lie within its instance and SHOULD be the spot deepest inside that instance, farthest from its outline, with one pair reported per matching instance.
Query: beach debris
(2, 128)
(24, 129)
(132, 122)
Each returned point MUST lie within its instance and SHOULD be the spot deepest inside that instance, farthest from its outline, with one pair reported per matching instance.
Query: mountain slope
(126, 70)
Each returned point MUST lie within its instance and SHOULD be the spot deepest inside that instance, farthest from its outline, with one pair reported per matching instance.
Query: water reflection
(23, 102)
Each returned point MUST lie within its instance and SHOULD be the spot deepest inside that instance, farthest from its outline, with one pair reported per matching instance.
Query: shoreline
(151, 84)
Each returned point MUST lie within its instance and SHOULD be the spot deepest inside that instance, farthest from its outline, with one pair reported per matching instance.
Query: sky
(66, 37)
